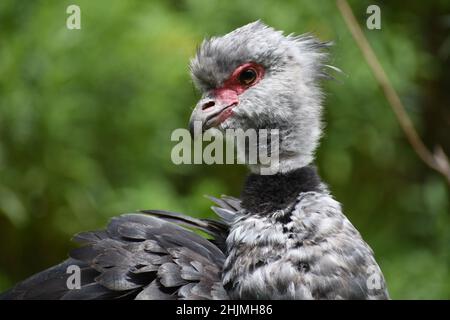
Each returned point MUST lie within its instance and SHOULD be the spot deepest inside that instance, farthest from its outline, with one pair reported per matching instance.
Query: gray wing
(148, 255)
(340, 264)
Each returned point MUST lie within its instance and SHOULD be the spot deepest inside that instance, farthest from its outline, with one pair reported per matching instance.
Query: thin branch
(438, 160)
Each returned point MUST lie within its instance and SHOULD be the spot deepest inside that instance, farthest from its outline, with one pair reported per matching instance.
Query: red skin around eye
(232, 88)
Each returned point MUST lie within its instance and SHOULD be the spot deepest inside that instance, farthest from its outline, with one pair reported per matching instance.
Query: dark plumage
(287, 238)
(140, 256)
(264, 194)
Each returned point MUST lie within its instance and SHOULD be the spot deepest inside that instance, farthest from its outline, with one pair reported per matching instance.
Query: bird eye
(247, 77)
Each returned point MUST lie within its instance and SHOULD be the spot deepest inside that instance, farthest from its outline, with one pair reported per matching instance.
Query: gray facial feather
(288, 98)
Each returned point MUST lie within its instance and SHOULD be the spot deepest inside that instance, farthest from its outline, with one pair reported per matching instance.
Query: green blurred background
(86, 117)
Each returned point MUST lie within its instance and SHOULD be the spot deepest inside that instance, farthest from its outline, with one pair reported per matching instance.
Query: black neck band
(268, 193)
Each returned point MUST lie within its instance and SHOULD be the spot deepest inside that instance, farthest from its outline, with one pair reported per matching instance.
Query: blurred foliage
(86, 117)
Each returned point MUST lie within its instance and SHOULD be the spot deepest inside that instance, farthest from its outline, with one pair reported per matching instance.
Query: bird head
(257, 78)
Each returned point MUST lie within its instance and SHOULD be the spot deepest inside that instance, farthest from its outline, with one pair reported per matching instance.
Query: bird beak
(212, 110)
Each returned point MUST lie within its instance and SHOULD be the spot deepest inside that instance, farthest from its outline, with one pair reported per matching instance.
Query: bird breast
(309, 252)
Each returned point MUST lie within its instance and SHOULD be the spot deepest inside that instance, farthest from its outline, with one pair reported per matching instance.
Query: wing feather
(153, 254)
